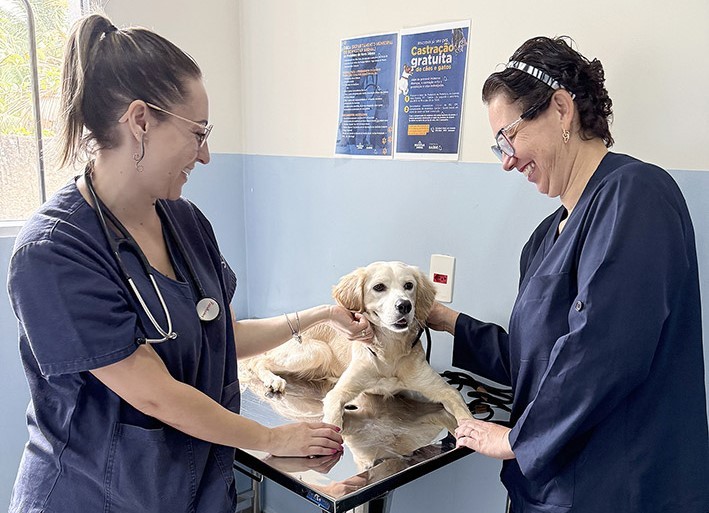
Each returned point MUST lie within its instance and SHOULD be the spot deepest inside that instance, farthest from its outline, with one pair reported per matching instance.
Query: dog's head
(391, 294)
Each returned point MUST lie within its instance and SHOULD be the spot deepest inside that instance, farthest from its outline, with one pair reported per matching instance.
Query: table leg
(257, 487)
(380, 504)
(254, 495)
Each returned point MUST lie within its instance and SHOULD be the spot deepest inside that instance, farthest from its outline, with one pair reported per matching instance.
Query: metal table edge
(358, 497)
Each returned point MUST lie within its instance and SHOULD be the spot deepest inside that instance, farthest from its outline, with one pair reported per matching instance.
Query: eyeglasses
(201, 136)
(503, 145)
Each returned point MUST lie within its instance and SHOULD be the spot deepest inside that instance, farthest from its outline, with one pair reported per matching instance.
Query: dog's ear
(425, 296)
(349, 292)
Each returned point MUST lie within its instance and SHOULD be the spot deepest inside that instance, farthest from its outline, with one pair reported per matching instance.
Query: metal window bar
(84, 6)
(35, 100)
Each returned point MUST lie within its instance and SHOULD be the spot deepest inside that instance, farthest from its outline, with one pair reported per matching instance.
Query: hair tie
(111, 28)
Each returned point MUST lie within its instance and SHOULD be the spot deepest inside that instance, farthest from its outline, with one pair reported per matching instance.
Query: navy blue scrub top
(87, 448)
(604, 354)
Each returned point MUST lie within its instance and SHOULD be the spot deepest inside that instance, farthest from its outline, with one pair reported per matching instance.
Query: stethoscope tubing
(181, 248)
(166, 335)
(102, 213)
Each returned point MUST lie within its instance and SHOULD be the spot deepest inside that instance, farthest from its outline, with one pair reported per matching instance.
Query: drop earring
(565, 135)
(138, 157)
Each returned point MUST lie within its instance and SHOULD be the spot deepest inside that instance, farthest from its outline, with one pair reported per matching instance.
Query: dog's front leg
(273, 383)
(434, 388)
(350, 385)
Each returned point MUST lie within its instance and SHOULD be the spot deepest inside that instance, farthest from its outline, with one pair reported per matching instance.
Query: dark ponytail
(104, 70)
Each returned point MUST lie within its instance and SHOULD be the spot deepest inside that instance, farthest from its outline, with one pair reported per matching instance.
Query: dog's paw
(335, 420)
(275, 385)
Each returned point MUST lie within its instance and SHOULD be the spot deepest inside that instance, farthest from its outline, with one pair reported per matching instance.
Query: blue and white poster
(430, 87)
(367, 86)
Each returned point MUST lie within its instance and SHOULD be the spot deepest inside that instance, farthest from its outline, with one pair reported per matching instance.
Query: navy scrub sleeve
(69, 285)
(483, 347)
(605, 343)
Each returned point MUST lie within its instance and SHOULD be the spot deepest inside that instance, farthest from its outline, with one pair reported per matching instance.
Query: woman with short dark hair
(604, 346)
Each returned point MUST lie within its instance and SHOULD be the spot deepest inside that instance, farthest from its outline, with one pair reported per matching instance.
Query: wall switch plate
(441, 274)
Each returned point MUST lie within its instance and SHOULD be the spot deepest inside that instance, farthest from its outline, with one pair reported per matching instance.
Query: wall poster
(367, 85)
(432, 67)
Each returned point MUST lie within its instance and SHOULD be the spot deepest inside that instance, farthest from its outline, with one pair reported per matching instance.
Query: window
(19, 167)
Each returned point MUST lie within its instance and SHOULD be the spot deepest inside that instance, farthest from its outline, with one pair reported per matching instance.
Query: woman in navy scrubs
(604, 347)
(126, 334)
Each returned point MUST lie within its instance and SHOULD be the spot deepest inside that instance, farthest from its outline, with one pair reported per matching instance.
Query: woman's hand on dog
(352, 324)
(305, 439)
(442, 318)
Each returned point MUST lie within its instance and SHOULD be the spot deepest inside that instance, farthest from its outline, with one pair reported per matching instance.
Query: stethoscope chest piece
(207, 309)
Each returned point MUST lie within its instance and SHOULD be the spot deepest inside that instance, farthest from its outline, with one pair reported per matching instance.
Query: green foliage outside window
(19, 178)
(51, 27)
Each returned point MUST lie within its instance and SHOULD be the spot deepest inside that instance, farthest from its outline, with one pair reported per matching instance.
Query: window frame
(75, 8)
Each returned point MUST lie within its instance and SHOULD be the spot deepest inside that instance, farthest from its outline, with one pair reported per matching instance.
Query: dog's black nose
(403, 306)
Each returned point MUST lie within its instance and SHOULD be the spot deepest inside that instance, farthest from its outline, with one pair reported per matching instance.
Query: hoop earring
(138, 157)
(565, 135)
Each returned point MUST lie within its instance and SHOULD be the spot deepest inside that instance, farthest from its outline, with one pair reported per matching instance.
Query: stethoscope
(207, 308)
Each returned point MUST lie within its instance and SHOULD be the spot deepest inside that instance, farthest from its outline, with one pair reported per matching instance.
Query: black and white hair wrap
(536, 73)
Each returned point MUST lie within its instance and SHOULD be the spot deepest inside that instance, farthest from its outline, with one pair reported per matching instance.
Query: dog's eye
(408, 285)
(379, 287)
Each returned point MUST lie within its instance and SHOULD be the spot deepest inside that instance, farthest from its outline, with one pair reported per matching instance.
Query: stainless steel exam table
(389, 442)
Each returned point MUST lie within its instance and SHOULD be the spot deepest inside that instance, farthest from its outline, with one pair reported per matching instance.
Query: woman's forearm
(143, 381)
(188, 410)
(254, 336)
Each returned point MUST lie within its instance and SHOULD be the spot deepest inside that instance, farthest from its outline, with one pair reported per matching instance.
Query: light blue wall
(309, 221)
(13, 394)
(295, 225)
(218, 191)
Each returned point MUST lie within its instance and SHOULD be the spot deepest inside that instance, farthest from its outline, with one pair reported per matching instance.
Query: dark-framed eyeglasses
(201, 136)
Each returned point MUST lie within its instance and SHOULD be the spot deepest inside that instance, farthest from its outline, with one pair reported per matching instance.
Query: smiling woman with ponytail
(123, 300)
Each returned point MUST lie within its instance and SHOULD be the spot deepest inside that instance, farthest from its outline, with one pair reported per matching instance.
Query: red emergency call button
(440, 278)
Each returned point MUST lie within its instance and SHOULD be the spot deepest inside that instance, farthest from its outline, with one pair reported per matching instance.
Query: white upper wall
(272, 66)
(209, 31)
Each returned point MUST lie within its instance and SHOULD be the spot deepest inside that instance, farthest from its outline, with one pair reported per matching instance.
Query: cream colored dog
(396, 299)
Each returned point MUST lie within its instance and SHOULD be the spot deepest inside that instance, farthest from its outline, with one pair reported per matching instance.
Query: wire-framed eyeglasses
(201, 136)
(503, 145)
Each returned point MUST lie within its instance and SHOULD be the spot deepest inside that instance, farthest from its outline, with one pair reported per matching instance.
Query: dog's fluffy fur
(396, 299)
